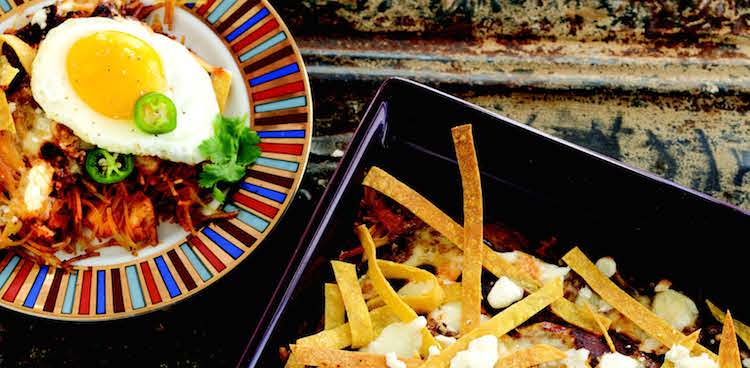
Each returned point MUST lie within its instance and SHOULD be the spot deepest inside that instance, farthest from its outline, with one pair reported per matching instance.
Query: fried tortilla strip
(7, 72)
(341, 336)
(689, 343)
(221, 80)
(354, 302)
(423, 303)
(319, 357)
(729, 350)
(6, 118)
(502, 322)
(578, 316)
(644, 318)
(386, 184)
(24, 52)
(471, 184)
(452, 292)
(384, 289)
(743, 330)
(530, 357)
(602, 329)
(335, 312)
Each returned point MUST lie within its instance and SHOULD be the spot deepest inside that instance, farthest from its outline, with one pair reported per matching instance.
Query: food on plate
(109, 126)
(539, 305)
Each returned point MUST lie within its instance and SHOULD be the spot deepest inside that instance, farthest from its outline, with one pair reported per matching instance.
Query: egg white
(188, 85)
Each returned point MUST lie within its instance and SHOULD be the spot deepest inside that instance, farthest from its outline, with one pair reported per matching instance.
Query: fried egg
(89, 72)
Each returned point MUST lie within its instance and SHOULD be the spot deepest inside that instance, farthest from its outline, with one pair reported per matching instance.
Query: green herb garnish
(231, 149)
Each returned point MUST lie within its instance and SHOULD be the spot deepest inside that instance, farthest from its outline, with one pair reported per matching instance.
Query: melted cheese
(38, 186)
(680, 357)
(403, 339)
(482, 353)
(675, 308)
(391, 361)
(617, 360)
(504, 293)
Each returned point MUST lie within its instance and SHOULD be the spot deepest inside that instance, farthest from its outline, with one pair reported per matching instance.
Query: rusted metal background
(660, 85)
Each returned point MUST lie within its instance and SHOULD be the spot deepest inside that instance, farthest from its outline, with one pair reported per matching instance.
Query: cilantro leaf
(232, 148)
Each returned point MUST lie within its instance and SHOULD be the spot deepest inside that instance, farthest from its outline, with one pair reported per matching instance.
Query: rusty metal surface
(660, 85)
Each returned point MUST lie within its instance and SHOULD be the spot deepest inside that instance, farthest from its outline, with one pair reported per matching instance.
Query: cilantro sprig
(230, 150)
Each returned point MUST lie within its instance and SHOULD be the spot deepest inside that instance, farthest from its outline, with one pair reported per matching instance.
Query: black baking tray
(538, 184)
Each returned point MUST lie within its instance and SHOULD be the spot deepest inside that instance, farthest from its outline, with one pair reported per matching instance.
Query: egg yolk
(110, 70)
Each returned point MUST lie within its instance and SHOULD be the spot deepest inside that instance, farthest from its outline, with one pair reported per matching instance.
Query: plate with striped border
(270, 84)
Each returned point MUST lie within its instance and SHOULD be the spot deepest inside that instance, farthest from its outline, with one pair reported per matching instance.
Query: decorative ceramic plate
(269, 82)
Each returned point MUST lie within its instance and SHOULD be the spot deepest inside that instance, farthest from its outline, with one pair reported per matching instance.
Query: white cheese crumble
(391, 361)
(746, 362)
(40, 18)
(12, 107)
(445, 340)
(586, 296)
(549, 272)
(504, 293)
(416, 288)
(576, 358)
(403, 339)
(482, 353)
(510, 257)
(680, 357)
(675, 308)
(663, 285)
(38, 186)
(607, 266)
(617, 360)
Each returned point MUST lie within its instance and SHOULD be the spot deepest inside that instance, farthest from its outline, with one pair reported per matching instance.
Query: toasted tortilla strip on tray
(384, 289)
(318, 357)
(354, 302)
(644, 318)
(341, 337)
(391, 187)
(502, 322)
(602, 329)
(743, 330)
(530, 357)
(24, 52)
(334, 310)
(471, 279)
(729, 350)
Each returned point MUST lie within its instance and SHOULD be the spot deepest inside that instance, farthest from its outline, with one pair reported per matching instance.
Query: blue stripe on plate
(166, 276)
(190, 5)
(220, 10)
(277, 164)
(289, 103)
(36, 287)
(263, 46)
(70, 293)
(5, 5)
(251, 220)
(224, 244)
(5, 274)
(257, 17)
(282, 134)
(134, 285)
(196, 262)
(275, 74)
(101, 295)
(265, 192)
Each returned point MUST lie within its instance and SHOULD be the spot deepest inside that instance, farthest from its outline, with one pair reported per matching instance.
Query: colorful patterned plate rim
(277, 96)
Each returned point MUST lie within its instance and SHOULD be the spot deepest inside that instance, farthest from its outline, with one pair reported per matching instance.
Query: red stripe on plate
(153, 292)
(256, 34)
(210, 257)
(15, 286)
(285, 148)
(255, 204)
(83, 307)
(281, 90)
(204, 7)
(49, 304)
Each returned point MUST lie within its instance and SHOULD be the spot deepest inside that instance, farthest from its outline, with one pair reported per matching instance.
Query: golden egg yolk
(110, 70)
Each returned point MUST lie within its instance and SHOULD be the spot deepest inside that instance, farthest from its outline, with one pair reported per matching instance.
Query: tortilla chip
(452, 292)
(221, 80)
(7, 72)
(423, 303)
(340, 337)
(471, 279)
(688, 342)
(24, 52)
(320, 357)
(602, 329)
(386, 184)
(578, 316)
(644, 318)
(530, 357)
(729, 350)
(384, 289)
(743, 330)
(502, 322)
(6, 118)
(354, 302)
(335, 312)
